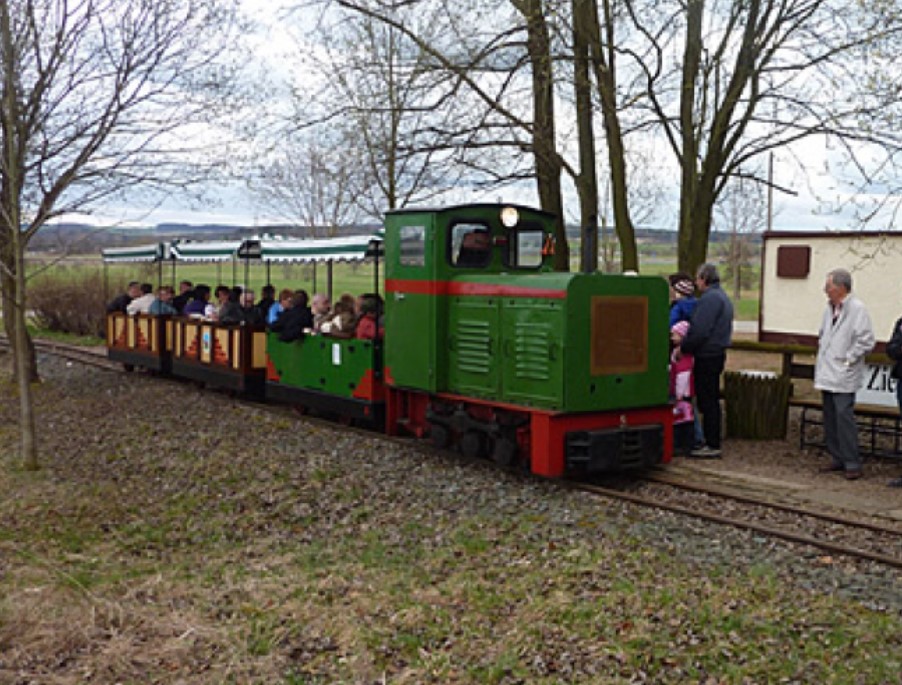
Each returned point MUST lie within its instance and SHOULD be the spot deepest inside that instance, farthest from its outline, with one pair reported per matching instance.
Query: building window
(793, 261)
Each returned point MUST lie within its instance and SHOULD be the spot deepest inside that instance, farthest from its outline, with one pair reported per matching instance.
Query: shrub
(74, 304)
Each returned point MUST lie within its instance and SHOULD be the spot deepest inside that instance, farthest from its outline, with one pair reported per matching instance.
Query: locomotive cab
(428, 256)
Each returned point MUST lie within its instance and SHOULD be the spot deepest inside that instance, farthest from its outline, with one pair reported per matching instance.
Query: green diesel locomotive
(487, 348)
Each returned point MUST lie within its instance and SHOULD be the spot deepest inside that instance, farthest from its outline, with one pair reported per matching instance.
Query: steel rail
(777, 506)
(778, 533)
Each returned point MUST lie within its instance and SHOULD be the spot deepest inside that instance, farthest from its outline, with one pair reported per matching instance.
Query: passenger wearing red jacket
(369, 323)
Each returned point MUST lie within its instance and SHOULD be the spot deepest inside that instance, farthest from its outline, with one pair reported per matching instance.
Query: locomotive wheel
(440, 435)
(505, 452)
(473, 445)
(128, 367)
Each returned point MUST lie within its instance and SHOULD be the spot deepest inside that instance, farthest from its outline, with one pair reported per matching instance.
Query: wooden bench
(879, 428)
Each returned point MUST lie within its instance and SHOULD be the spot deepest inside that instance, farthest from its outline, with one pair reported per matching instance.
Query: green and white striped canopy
(205, 250)
(344, 249)
(273, 249)
(136, 253)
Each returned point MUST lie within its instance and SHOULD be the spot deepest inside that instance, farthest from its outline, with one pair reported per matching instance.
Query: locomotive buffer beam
(614, 449)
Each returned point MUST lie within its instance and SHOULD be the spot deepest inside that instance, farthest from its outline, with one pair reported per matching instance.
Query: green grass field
(347, 277)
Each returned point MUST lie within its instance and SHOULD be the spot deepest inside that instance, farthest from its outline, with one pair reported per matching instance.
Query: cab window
(413, 245)
(525, 249)
(471, 246)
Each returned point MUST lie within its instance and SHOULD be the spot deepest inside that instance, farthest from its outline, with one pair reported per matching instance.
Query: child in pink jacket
(681, 391)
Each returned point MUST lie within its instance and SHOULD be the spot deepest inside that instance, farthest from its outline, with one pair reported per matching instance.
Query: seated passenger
(343, 322)
(276, 309)
(162, 305)
(321, 310)
(120, 303)
(141, 304)
(229, 310)
(197, 307)
(186, 292)
(296, 320)
(267, 300)
(368, 322)
(252, 314)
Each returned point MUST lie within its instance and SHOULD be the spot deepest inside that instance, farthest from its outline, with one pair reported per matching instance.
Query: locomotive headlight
(510, 217)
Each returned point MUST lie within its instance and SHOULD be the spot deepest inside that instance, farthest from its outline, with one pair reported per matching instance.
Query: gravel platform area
(783, 461)
(177, 536)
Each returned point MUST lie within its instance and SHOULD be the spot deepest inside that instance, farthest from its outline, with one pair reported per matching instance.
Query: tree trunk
(603, 63)
(695, 227)
(544, 143)
(737, 266)
(22, 347)
(587, 180)
(690, 252)
(10, 323)
(27, 432)
(13, 242)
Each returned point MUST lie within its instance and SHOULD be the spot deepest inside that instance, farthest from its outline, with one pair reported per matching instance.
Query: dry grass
(177, 537)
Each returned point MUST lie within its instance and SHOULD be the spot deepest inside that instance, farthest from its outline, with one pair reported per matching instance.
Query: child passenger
(369, 313)
(681, 391)
(343, 322)
(683, 292)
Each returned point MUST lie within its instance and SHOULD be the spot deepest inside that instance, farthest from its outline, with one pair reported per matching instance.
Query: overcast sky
(235, 205)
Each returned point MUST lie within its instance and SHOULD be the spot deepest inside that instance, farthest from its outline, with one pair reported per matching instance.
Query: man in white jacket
(845, 337)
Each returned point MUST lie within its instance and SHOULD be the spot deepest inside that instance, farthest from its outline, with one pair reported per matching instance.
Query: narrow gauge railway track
(821, 530)
(825, 516)
(830, 532)
(76, 353)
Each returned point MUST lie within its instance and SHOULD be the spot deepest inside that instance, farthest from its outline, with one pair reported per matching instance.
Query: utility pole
(770, 192)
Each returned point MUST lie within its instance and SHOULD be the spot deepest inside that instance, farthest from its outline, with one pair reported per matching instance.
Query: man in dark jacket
(296, 320)
(252, 314)
(267, 299)
(121, 302)
(186, 294)
(710, 333)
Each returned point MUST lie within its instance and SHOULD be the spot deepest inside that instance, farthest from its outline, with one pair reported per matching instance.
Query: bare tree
(367, 118)
(311, 185)
(96, 97)
(752, 77)
(720, 83)
(493, 104)
(385, 85)
(742, 213)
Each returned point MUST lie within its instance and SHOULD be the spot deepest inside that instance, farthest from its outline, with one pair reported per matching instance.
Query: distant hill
(78, 238)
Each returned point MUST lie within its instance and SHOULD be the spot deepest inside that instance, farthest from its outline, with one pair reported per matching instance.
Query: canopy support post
(329, 280)
(376, 273)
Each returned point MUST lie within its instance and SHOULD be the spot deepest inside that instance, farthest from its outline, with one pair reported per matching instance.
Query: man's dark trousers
(707, 389)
